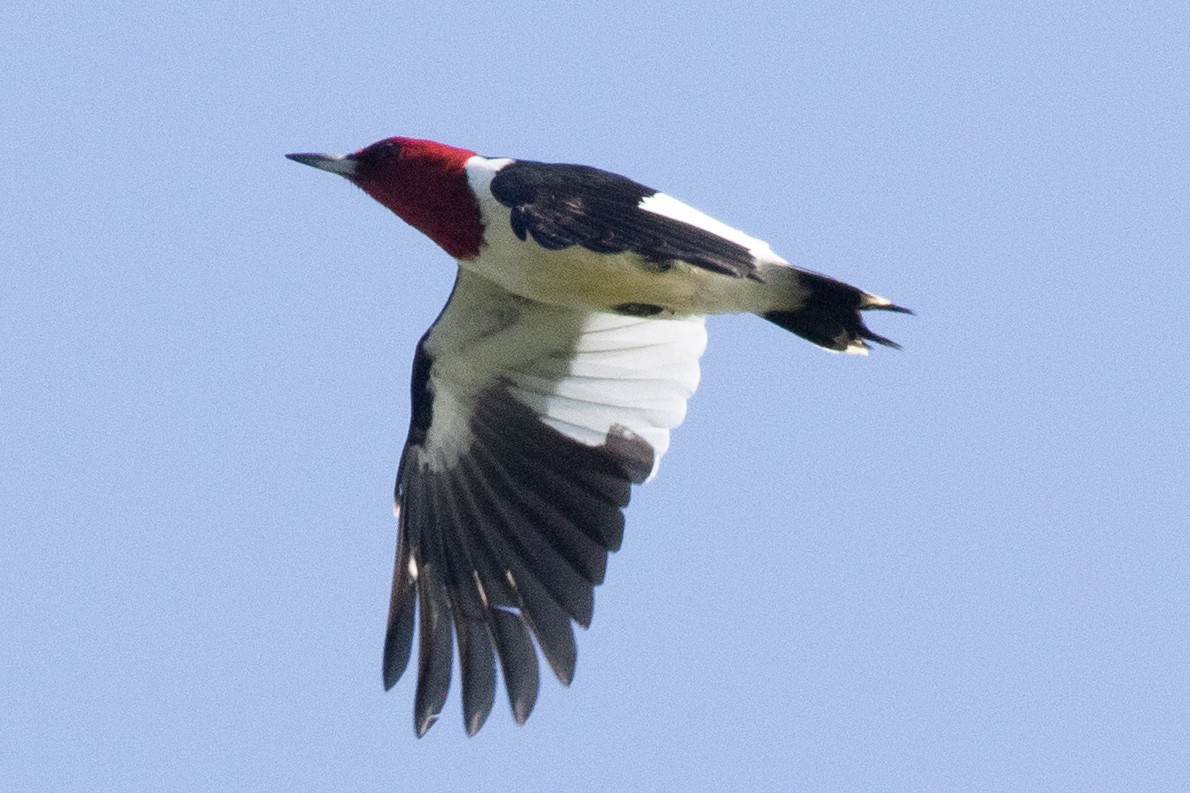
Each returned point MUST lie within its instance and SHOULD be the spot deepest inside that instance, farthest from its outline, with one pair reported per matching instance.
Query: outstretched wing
(530, 425)
(560, 206)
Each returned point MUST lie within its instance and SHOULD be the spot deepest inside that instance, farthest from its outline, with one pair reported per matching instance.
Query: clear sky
(963, 566)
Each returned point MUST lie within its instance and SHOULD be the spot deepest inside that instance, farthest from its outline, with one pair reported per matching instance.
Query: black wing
(530, 423)
(560, 206)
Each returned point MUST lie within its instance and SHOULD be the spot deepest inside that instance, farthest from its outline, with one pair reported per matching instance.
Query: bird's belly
(579, 278)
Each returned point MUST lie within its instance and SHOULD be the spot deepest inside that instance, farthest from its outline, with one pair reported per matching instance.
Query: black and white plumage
(561, 206)
(546, 388)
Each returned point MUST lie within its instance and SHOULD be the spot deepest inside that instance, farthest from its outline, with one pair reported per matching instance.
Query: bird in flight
(545, 389)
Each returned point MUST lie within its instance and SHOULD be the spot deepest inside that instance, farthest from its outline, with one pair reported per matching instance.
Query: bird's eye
(388, 150)
(378, 155)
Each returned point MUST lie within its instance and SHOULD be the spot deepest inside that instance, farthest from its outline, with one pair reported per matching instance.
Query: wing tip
(422, 722)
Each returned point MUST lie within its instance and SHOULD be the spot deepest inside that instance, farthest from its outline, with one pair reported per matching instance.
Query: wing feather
(561, 206)
(530, 425)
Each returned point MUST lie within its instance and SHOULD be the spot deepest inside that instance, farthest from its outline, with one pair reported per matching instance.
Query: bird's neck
(431, 194)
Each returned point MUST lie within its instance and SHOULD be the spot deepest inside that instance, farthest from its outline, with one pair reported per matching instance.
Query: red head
(423, 182)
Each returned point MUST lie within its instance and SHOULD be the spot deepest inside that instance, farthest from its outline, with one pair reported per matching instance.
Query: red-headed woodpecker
(546, 388)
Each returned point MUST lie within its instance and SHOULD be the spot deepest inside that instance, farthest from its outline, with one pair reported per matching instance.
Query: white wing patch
(582, 373)
(623, 371)
(672, 208)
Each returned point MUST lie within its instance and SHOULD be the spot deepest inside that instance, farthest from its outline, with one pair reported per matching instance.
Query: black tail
(829, 314)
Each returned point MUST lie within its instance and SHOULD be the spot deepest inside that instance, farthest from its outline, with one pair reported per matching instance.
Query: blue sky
(963, 566)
